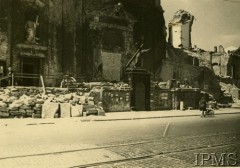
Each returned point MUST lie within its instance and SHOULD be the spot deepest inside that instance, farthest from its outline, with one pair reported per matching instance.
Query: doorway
(3, 73)
(30, 71)
(140, 98)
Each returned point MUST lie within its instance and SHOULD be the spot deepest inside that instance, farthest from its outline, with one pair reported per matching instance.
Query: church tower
(180, 28)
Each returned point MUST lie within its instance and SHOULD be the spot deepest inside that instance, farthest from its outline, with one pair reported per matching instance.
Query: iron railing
(22, 77)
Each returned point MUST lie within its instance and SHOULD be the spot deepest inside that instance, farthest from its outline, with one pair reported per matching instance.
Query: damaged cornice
(181, 16)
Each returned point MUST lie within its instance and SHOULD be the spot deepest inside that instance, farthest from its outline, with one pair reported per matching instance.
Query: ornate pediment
(32, 50)
(112, 13)
(117, 11)
(34, 3)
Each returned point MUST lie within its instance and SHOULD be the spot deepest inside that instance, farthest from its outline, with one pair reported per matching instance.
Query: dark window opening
(31, 15)
(113, 40)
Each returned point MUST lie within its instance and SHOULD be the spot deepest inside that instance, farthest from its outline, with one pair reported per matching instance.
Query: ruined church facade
(91, 39)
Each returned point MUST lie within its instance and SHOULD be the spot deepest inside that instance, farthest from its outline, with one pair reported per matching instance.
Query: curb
(122, 119)
(142, 118)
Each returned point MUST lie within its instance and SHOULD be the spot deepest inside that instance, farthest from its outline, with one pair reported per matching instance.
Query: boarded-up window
(111, 66)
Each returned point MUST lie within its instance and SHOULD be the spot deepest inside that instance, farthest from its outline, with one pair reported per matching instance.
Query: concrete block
(4, 114)
(91, 102)
(77, 110)
(14, 113)
(4, 109)
(65, 110)
(37, 108)
(101, 112)
(36, 116)
(3, 105)
(29, 114)
(49, 109)
(93, 111)
(25, 107)
(38, 111)
(22, 111)
(30, 111)
(68, 96)
(75, 99)
(72, 102)
(38, 105)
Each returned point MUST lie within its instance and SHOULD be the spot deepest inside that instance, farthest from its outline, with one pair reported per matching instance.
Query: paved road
(169, 142)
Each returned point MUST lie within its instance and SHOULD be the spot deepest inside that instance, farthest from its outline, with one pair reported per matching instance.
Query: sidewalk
(135, 115)
(115, 116)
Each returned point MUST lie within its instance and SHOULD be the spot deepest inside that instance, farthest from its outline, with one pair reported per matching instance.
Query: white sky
(217, 21)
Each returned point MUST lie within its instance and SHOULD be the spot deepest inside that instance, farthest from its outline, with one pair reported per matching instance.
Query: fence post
(12, 79)
(43, 86)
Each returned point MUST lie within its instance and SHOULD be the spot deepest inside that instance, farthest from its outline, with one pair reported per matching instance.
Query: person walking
(203, 106)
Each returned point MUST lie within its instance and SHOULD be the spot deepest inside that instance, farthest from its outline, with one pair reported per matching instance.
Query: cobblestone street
(136, 143)
(178, 152)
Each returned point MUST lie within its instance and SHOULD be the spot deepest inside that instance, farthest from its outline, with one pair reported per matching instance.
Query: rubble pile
(230, 92)
(22, 102)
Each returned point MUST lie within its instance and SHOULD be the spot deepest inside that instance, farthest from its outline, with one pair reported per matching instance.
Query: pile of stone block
(21, 102)
(63, 105)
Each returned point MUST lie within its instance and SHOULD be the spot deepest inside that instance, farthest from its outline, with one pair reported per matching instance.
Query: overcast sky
(217, 21)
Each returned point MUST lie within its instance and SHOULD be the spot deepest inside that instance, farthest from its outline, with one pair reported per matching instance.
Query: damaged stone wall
(4, 40)
(233, 67)
(181, 69)
(68, 41)
(188, 66)
(151, 32)
(110, 34)
(135, 24)
(219, 64)
(25, 21)
(179, 64)
(180, 28)
(58, 29)
(63, 37)
(225, 68)
(217, 60)
(3, 46)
